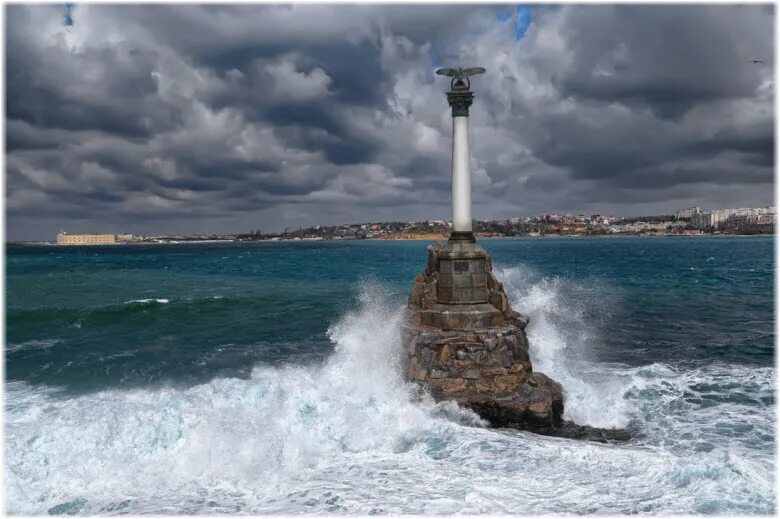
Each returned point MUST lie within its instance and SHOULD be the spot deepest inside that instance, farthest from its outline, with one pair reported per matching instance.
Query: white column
(461, 175)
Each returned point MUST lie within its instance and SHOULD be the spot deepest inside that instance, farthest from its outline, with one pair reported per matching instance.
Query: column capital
(460, 101)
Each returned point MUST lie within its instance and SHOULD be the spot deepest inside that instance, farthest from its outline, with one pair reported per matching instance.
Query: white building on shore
(686, 214)
(64, 238)
(743, 215)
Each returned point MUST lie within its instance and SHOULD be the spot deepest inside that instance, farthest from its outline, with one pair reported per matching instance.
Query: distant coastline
(686, 222)
(415, 237)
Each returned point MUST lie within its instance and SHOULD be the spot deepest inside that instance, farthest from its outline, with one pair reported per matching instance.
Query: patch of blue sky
(503, 17)
(68, 17)
(521, 18)
(523, 21)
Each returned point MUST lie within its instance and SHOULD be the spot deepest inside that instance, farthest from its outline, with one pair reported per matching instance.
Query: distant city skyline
(187, 119)
(699, 217)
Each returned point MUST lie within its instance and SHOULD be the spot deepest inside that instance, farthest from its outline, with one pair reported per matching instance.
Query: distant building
(686, 214)
(637, 227)
(92, 239)
(723, 217)
(740, 219)
(703, 220)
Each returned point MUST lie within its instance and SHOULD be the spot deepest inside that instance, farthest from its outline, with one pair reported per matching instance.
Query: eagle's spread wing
(473, 71)
(447, 72)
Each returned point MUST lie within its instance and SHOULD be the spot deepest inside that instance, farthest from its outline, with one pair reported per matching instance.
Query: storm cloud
(184, 119)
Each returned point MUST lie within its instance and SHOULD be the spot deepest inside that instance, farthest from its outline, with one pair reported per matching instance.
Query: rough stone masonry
(465, 343)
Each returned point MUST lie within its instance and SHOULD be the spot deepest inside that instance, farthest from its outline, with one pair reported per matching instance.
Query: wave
(133, 305)
(349, 436)
(280, 423)
(36, 344)
(559, 334)
(110, 313)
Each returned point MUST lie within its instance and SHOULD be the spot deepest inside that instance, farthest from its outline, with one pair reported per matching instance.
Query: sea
(263, 378)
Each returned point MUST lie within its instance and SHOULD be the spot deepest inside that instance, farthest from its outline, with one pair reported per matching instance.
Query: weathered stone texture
(487, 369)
(466, 344)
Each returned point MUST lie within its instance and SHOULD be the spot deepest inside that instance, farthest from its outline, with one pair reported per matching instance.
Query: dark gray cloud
(169, 119)
(650, 55)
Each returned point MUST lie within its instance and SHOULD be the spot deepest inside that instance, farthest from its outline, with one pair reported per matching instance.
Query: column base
(461, 236)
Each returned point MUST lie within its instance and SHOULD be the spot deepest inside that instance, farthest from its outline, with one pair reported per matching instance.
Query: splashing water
(559, 334)
(227, 439)
(347, 437)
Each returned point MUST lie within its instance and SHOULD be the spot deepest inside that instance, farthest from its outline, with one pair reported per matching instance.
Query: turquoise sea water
(262, 378)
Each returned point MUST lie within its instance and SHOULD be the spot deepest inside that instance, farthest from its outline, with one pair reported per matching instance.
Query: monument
(463, 340)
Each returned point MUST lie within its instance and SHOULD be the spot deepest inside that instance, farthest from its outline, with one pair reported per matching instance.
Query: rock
(448, 386)
(426, 358)
(496, 384)
(478, 357)
(464, 343)
(573, 431)
(411, 369)
(506, 382)
(519, 320)
(426, 338)
(413, 347)
(493, 372)
(437, 373)
(540, 404)
(506, 359)
(471, 374)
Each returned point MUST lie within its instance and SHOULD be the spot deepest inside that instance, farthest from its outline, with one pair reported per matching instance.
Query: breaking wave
(35, 344)
(560, 334)
(161, 301)
(348, 435)
(106, 315)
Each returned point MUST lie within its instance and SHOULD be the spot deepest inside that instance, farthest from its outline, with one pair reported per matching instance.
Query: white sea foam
(346, 437)
(36, 344)
(559, 336)
(161, 301)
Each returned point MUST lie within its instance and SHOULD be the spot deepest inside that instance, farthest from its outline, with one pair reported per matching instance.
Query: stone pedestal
(465, 343)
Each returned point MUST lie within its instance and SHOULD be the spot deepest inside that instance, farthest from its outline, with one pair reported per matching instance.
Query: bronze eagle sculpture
(460, 76)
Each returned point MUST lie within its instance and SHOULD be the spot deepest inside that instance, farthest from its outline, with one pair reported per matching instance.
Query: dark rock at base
(536, 406)
(487, 370)
(573, 431)
(536, 403)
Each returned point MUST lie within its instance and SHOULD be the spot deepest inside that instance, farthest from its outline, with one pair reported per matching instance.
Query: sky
(155, 119)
